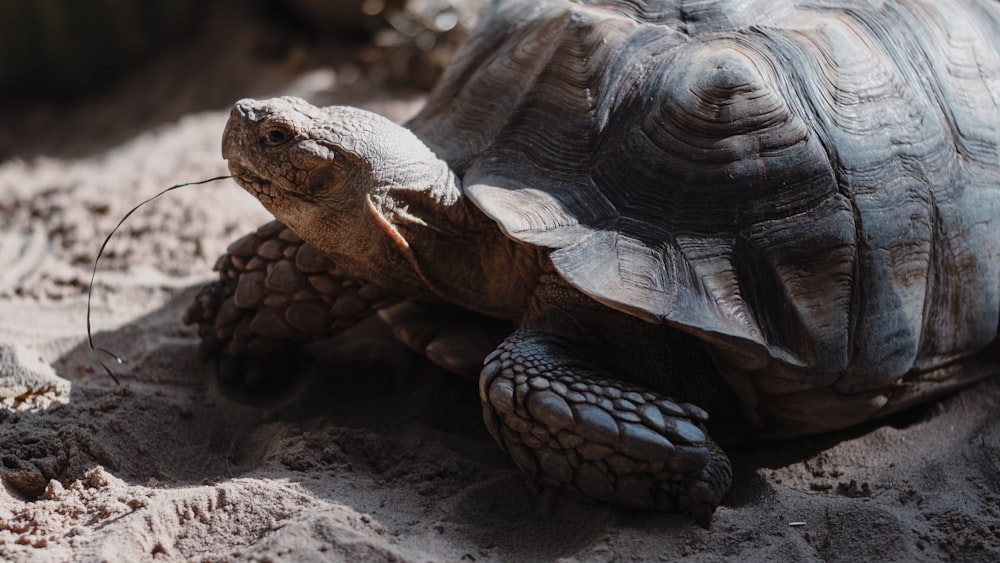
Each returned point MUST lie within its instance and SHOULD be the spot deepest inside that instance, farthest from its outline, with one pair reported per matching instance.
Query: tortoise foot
(593, 436)
(275, 294)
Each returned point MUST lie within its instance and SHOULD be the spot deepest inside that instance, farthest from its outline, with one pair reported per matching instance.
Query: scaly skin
(595, 437)
(382, 207)
(274, 293)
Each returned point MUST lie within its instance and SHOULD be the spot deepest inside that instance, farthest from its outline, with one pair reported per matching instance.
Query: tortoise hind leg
(275, 293)
(582, 430)
(454, 339)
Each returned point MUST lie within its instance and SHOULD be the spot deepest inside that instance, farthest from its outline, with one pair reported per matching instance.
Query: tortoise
(782, 214)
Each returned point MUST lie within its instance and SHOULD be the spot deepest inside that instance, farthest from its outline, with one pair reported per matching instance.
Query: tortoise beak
(240, 117)
(236, 137)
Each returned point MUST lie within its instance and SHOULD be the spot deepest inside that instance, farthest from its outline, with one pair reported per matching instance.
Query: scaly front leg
(583, 430)
(274, 294)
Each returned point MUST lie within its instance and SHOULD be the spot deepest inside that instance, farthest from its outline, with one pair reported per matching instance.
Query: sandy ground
(379, 458)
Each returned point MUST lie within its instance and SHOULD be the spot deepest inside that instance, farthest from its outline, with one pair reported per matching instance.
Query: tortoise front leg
(582, 430)
(274, 294)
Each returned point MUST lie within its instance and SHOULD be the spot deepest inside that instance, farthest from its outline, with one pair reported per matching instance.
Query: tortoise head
(290, 154)
(341, 177)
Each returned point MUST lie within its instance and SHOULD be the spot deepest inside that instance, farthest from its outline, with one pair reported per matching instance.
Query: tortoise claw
(702, 513)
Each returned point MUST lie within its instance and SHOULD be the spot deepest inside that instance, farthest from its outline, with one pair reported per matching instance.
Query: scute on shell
(812, 191)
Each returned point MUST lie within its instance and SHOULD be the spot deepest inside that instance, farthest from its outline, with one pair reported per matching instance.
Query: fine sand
(374, 455)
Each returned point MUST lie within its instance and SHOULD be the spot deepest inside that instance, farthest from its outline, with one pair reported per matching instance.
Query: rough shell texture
(811, 187)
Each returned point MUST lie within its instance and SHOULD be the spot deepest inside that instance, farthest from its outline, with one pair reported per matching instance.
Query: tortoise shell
(811, 188)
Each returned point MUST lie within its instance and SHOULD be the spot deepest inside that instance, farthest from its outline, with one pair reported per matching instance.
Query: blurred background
(64, 49)
(80, 77)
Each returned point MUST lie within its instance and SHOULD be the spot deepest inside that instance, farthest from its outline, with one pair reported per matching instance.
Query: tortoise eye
(277, 136)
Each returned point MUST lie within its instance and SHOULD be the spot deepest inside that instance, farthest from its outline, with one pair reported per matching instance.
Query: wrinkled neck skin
(410, 229)
(458, 254)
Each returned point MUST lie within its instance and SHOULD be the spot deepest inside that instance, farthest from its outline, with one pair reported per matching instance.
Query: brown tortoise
(786, 210)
